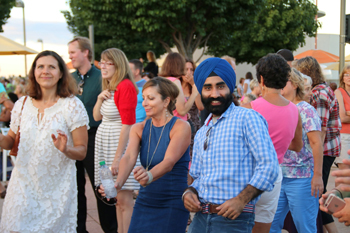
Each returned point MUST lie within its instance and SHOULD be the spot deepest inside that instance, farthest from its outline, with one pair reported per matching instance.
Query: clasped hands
(231, 208)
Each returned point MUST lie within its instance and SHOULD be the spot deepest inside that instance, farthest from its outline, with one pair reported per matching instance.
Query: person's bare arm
(80, 140)
(245, 88)
(101, 97)
(233, 207)
(6, 113)
(182, 107)
(6, 141)
(123, 141)
(128, 161)
(297, 142)
(317, 152)
(199, 103)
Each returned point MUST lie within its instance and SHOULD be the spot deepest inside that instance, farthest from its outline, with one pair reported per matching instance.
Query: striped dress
(107, 139)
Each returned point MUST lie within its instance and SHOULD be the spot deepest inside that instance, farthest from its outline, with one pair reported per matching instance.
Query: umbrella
(320, 55)
(335, 65)
(10, 47)
(70, 66)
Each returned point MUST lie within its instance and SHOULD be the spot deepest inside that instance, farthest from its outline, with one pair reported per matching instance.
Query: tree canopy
(5, 9)
(244, 29)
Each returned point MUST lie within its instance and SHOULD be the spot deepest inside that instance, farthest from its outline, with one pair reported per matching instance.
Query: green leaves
(245, 29)
(5, 9)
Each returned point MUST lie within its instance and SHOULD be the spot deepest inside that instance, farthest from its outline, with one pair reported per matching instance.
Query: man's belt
(208, 208)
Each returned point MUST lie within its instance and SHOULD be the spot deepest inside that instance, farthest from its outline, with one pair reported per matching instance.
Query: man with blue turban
(233, 161)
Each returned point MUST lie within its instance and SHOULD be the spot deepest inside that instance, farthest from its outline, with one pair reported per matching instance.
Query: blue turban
(219, 66)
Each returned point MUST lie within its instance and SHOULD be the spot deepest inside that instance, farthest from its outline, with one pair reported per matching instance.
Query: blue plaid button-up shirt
(239, 152)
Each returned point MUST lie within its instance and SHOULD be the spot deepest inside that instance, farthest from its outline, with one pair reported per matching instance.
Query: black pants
(327, 164)
(107, 214)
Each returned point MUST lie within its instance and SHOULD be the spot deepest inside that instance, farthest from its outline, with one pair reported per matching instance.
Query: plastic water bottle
(107, 180)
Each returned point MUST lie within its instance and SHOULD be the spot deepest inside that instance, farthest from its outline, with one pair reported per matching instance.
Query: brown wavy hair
(310, 66)
(66, 86)
(173, 66)
(165, 88)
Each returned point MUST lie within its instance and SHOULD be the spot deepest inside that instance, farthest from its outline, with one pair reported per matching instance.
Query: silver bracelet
(187, 191)
(150, 178)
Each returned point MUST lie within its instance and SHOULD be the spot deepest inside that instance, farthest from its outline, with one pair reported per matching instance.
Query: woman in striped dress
(116, 106)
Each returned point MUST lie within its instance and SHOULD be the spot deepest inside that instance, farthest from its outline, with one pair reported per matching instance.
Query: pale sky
(45, 21)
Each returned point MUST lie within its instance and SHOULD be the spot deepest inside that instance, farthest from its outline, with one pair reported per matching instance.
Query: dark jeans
(213, 223)
(327, 164)
(107, 214)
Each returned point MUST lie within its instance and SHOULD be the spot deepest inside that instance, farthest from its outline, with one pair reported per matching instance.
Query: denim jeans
(213, 223)
(296, 197)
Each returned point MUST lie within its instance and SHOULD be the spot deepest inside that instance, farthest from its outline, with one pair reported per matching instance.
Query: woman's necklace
(149, 143)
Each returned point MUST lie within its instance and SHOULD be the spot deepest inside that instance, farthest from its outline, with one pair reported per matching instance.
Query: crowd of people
(180, 140)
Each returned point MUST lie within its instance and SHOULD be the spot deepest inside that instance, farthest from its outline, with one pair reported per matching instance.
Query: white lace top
(42, 193)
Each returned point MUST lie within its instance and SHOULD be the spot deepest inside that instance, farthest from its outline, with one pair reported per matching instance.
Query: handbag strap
(24, 101)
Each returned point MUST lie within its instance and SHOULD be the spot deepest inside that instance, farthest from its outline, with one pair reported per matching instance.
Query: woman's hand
(104, 95)
(101, 190)
(316, 186)
(118, 185)
(322, 201)
(188, 78)
(61, 141)
(115, 167)
(140, 174)
(343, 215)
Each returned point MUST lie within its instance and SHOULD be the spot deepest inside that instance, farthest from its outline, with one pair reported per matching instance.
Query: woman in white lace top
(42, 193)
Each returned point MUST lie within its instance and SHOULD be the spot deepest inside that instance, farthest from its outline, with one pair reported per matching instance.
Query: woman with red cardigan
(116, 107)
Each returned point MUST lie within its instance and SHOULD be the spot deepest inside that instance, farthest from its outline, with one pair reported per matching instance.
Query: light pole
(20, 3)
(342, 36)
(42, 44)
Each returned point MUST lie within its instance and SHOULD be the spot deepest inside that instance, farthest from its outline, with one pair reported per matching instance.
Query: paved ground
(93, 224)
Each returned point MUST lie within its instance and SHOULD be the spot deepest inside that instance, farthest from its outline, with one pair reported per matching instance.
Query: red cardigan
(125, 98)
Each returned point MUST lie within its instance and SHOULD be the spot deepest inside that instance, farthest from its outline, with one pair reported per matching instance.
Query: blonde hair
(248, 98)
(254, 83)
(307, 78)
(341, 76)
(122, 69)
(84, 44)
(296, 78)
(229, 59)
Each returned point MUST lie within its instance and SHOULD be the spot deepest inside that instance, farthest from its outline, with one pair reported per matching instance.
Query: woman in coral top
(343, 97)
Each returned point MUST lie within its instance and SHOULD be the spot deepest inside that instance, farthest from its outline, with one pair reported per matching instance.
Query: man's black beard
(218, 109)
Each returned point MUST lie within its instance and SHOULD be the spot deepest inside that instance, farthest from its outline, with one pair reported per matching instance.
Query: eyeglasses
(80, 86)
(107, 64)
(206, 142)
(346, 75)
